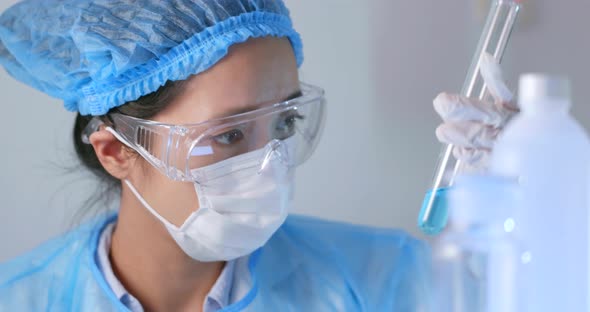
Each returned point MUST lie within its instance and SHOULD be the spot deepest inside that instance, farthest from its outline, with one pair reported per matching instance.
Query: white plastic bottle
(476, 260)
(550, 154)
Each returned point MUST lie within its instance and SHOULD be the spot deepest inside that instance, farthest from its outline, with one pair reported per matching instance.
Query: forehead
(255, 73)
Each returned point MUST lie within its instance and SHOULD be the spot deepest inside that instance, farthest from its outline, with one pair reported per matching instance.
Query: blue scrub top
(308, 265)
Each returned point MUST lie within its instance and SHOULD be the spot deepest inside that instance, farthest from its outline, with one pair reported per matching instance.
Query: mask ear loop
(147, 206)
(92, 127)
(134, 190)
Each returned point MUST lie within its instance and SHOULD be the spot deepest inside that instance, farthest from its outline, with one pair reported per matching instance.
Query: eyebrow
(232, 112)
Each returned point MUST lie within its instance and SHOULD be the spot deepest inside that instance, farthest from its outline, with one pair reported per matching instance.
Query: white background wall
(381, 63)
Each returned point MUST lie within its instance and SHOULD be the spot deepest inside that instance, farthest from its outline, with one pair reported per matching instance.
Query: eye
(230, 137)
(285, 127)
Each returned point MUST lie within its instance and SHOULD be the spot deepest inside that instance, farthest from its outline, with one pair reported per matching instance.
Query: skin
(144, 256)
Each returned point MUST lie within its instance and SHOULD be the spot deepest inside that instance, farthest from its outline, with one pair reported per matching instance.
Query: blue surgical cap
(100, 54)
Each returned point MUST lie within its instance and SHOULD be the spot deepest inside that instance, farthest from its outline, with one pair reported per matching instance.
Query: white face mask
(240, 207)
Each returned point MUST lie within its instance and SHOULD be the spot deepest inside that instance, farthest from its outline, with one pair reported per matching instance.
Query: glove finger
(473, 169)
(467, 134)
(491, 73)
(456, 108)
(509, 108)
(472, 157)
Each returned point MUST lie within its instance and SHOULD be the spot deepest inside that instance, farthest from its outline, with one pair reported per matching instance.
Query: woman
(195, 111)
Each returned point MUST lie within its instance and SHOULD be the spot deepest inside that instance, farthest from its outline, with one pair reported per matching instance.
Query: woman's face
(258, 72)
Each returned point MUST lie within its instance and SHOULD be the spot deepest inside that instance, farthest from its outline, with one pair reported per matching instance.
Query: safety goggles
(292, 128)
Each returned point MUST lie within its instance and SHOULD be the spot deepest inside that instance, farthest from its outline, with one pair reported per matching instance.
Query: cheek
(173, 200)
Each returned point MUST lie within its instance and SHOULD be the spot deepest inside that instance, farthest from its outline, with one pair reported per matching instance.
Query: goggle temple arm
(94, 126)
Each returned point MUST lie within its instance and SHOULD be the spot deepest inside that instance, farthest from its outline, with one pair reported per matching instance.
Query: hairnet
(99, 54)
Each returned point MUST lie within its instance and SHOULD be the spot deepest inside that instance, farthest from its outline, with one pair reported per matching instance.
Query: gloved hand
(472, 125)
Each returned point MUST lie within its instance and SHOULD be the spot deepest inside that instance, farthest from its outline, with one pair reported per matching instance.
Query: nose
(260, 134)
(274, 150)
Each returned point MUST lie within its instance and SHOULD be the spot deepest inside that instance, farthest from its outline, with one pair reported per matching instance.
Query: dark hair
(145, 107)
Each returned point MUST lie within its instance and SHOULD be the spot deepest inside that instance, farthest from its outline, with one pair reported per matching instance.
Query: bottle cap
(546, 92)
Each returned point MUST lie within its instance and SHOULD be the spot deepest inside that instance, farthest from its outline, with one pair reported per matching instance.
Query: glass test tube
(493, 40)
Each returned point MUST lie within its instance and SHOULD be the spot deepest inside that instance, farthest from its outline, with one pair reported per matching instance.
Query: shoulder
(344, 238)
(47, 269)
(378, 266)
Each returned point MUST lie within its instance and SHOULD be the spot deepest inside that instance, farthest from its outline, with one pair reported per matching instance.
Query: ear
(112, 154)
